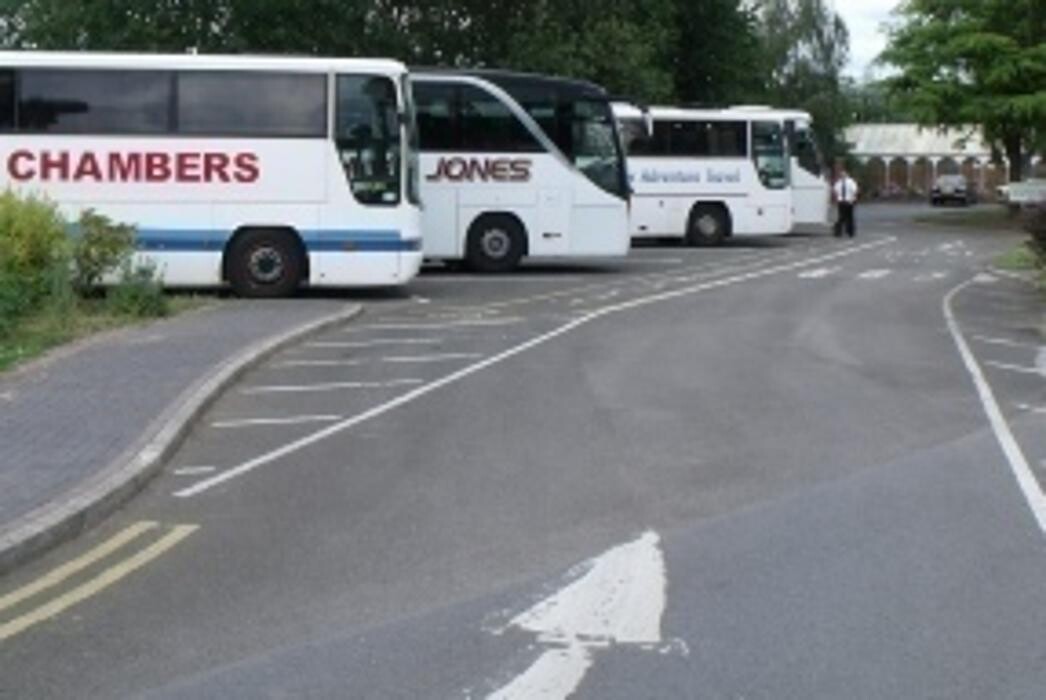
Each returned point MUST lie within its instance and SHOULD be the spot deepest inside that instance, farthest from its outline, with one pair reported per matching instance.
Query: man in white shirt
(844, 191)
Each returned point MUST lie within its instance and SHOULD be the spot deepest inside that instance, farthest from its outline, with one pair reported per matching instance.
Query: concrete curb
(96, 497)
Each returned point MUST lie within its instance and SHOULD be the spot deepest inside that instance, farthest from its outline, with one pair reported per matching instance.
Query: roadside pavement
(84, 428)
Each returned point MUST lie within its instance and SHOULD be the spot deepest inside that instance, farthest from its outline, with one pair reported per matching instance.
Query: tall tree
(717, 55)
(807, 45)
(975, 62)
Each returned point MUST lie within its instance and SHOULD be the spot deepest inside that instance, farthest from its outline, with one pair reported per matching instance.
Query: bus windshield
(768, 152)
(368, 137)
(596, 148)
(805, 151)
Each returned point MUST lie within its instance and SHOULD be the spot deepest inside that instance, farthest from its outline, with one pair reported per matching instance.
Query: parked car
(952, 188)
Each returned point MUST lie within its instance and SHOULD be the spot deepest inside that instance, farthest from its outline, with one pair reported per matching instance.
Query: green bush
(100, 247)
(32, 235)
(138, 293)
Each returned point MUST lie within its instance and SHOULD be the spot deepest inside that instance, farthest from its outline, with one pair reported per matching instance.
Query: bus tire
(495, 243)
(265, 263)
(709, 225)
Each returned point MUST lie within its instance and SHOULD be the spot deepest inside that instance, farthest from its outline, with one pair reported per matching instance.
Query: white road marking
(421, 300)
(874, 274)
(818, 273)
(326, 386)
(381, 409)
(316, 363)
(1005, 342)
(421, 359)
(465, 323)
(193, 471)
(1021, 369)
(931, 277)
(1031, 409)
(985, 278)
(378, 342)
(291, 420)
(620, 599)
(1026, 480)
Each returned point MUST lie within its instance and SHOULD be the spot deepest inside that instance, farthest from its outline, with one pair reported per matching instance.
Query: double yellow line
(173, 535)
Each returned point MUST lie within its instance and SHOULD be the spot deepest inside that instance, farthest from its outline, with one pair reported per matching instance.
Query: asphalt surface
(368, 513)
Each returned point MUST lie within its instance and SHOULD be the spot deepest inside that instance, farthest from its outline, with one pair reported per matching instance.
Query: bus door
(810, 189)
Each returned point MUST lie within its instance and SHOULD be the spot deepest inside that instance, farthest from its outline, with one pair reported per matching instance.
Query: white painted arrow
(619, 600)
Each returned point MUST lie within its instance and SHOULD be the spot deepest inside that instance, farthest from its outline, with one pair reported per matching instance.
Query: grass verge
(993, 218)
(49, 327)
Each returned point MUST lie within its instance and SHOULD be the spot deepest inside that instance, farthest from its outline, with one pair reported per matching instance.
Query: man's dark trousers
(845, 220)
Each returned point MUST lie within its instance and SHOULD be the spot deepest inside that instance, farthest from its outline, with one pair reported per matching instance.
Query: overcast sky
(864, 19)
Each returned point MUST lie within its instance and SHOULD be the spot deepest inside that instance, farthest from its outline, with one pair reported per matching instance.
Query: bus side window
(367, 135)
(7, 100)
(437, 118)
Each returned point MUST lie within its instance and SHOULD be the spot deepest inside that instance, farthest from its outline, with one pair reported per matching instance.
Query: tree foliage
(975, 62)
(784, 52)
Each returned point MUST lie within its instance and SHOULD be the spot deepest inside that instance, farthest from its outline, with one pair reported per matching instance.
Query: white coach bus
(263, 173)
(808, 173)
(706, 174)
(517, 165)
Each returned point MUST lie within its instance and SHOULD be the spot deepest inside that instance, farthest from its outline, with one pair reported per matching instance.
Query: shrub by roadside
(50, 280)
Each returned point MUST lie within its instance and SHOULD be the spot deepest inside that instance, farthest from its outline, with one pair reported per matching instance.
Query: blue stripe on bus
(320, 240)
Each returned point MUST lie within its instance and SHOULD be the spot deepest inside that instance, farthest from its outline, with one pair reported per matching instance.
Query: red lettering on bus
(125, 167)
(188, 167)
(88, 169)
(216, 167)
(54, 164)
(20, 166)
(247, 167)
(158, 167)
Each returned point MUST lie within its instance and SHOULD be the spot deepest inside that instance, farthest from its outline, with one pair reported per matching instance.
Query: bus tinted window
(252, 104)
(94, 101)
(488, 125)
(698, 139)
(805, 150)
(768, 152)
(367, 134)
(7, 100)
(435, 103)
(636, 139)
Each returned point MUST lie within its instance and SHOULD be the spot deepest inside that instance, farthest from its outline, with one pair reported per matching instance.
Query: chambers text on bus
(161, 167)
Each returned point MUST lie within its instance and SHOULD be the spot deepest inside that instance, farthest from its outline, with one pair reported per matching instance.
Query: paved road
(761, 471)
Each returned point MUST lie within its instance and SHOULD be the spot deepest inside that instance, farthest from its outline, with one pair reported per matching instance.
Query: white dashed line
(292, 420)
(874, 274)
(1005, 342)
(818, 273)
(421, 359)
(193, 471)
(373, 343)
(466, 323)
(1020, 369)
(327, 386)
(317, 363)
(1031, 409)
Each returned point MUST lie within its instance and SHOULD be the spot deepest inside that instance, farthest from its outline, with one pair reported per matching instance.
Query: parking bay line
(290, 420)
(301, 443)
(1005, 342)
(378, 342)
(97, 584)
(1015, 368)
(326, 386)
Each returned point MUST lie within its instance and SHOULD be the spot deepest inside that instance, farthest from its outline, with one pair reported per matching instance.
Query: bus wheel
(495, 243)
(709, 226)
(264, 263)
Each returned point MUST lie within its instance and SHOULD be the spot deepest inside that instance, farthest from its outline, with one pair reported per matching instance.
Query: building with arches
(898, 160)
